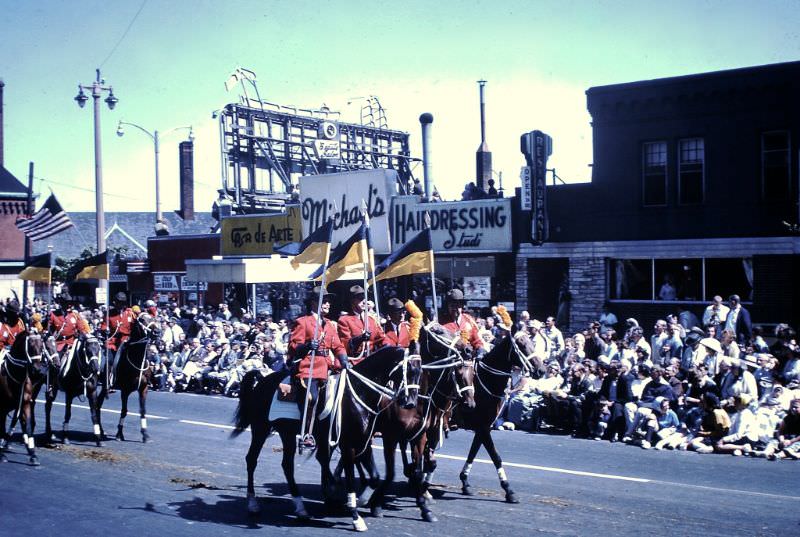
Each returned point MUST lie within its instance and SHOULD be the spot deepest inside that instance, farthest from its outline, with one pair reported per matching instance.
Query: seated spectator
(511, 413)
(714, 425)
(737, 381)
(787, 443)
(663, 422)
(743, 432)
(765, 374)
(759, 345)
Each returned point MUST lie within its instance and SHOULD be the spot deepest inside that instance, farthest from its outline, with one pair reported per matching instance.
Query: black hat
(314, 296)
(121, 297)
(395, 304)
(455, 295)
(12, 306)
(356, 290)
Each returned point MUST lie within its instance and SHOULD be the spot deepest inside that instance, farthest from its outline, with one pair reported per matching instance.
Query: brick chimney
(2, 161)
(186, 164)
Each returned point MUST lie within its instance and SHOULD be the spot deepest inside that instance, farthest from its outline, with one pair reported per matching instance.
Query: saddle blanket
(283, 410)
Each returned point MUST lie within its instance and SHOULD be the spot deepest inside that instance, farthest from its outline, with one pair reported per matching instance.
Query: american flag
(46, 222)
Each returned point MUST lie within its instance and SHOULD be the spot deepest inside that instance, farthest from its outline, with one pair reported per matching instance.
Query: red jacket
(397, 336)
(351, 326)
(329, 346)
(8, 333)
(67, 327)
(120, 327)
(464, 322)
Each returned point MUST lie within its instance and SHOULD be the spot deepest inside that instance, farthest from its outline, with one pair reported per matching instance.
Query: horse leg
(498, 464)
(27, 433)
(67, 417)
(288, 434)
(142, 413)
(100, 400)
(466, 490)
(258, 435)
(350, 478)
(123, 412)
(3, 435)
(49, 397)
(94, 412)
(369, 475)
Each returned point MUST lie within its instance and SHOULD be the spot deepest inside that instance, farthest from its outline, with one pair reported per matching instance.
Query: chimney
(186, 171)
(2, 162)
(425, 121)
(483, 157)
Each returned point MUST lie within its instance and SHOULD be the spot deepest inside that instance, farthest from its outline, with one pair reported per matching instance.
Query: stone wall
(587, 284)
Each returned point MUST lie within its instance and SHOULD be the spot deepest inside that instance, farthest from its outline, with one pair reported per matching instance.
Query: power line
(84, 189)
(113, 50)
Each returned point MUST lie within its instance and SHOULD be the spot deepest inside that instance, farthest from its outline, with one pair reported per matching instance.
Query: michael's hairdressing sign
(456, 227)
(340, 195)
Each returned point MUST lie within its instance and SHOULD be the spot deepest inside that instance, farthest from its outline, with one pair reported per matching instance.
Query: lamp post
(97, 88)
(156, 137)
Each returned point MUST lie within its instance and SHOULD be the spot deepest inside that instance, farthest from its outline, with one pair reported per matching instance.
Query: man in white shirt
(716, 313)
(555, 336)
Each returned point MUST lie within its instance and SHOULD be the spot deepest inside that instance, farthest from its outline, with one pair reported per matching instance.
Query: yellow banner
(259, 234)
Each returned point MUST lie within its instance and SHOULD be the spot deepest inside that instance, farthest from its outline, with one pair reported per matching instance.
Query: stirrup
(307, 442)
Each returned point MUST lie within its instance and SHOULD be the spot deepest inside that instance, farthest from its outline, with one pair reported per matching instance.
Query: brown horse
(16, 390)
(132, 373)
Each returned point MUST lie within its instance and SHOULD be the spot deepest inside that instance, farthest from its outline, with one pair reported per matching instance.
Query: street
(191, 481)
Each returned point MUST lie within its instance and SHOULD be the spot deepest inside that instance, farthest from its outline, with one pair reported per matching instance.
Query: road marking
(110, 410)
(206, 424)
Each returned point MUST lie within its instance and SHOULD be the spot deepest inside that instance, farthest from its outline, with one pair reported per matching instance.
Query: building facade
(694, 193)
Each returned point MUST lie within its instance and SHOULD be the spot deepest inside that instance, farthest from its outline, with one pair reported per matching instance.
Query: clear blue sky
(539, 57)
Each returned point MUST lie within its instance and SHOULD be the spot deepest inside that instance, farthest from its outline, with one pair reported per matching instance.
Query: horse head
(148, 327)
(442, 350)
(90, 354)
(408, 390)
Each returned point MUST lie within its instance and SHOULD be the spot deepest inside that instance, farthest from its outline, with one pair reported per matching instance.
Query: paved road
(190, 481)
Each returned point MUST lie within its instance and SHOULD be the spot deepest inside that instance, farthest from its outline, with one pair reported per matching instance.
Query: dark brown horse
(491, 378)
(132, 373)
(16, 390)
(78, 376)
(446, 377)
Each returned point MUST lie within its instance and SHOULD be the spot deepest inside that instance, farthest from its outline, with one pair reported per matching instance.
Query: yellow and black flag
(315, 248)
(347, 259)
(95, 267)
(415, 257)
(38, 269)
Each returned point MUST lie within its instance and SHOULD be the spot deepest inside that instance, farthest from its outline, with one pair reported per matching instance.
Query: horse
(492, 374)
(360, 395)
(16, 390)
(133, 373)
(444, 377)
(78, 376)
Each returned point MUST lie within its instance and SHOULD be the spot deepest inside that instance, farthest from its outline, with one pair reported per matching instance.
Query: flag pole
(433, 274)
(365, 255)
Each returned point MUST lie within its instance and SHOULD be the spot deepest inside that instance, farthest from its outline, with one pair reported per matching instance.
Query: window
(691, 168)
(776, 180)
(680, 280)
(654, 168)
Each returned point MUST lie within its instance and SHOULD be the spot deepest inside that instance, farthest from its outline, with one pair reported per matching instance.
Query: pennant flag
(415, 257)
(95, 267)
(46, 222)
(314, 249)
(348, 257)
(38, 269)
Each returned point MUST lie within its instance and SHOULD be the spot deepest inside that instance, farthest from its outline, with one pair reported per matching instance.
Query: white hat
(711, 344)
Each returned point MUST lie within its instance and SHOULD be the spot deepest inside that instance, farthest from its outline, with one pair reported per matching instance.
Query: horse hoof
(511, 497)
(98, 443)
(145, 438)
(428, 516)
(376, 512)
(302, 514)
(359, 524)
(466, 490)
(120, 437)
(65, 441)
(3, 458)
(253, 507)
(34, 461)
(428, 497)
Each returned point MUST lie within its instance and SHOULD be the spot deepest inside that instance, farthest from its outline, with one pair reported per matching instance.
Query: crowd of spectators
(710, 385)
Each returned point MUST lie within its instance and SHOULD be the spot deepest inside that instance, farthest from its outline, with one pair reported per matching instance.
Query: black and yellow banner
(415, 257)
(95, 267)
(38, 269)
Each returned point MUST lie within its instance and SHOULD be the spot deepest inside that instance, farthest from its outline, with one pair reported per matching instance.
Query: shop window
(691, 170)
(725, 277)
(678, 279)
(631, 279)
(776, 173)
(654, 173)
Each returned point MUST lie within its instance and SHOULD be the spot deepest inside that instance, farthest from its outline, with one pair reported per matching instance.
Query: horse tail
(242, 416)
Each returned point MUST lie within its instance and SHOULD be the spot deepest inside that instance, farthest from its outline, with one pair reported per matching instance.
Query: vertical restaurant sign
(258, 234)
(456, 227)
(340, 195)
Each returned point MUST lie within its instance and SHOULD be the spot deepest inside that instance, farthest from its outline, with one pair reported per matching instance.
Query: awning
(267, 269)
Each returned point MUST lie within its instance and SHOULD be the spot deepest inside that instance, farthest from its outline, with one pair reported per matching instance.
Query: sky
(168, 60)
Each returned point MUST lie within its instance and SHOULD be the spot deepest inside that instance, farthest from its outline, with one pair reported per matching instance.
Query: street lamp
(156, 137)
(97, 88)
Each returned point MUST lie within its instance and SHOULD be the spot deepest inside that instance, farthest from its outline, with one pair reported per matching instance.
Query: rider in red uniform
(397, 330)
(66, 324)
(458, 322)
(9, 330)
(352, 330)
(120, 319)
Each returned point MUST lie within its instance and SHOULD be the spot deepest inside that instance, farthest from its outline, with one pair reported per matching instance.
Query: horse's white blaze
(144, 423)
(467, 468)
(96, 429)
(351, 500)
(501, 473)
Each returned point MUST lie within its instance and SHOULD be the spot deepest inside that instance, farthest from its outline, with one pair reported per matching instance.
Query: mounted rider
(120, 320)
(456, 321)
(66, 324)
(358, 336)
(397, 329)
(326, 349)
(11, 328)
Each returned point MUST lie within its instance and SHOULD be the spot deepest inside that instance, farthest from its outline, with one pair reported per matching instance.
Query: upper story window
(654, 173)
(776, 175)
(691, 170)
